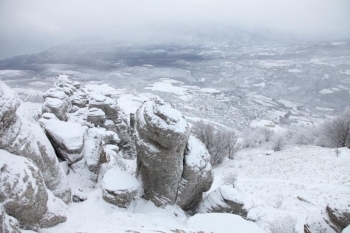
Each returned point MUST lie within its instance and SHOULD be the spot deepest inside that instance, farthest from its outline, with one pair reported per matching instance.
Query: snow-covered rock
(119, 187)
(55, 214)
(196, 177)
(222, 223)
(66, 137)
(318, 221)
(8, 224)
(24, 137)
(22, 190)
(161, 135)
(224, 199)
(109, 106)
(96, 116)
(56, 102)
(340, 216)
(93, 151)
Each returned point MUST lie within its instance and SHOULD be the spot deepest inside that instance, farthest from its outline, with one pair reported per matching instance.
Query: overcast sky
(28, 26)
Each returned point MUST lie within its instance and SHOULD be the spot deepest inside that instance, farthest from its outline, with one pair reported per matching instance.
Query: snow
(346, 230)
(198, 154)
(210, 90)
(166, 85)
(222, 223)
(69, 133)
(117, 180)
(294, 71)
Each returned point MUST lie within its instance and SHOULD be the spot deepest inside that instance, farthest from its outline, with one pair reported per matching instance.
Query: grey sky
(28, 26)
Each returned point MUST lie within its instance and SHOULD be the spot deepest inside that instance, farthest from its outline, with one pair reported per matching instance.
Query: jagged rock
(340, 216)
(23, 191)
(63, 83)
(96, 116)
(224, 199)
(79, 98)
(56, 102)
(161, 135)
(93, 150)
(107, 105)
(196, 177)
(24, 137)
(66, 137)
(55, 213)
(119, 187)
(8, 224)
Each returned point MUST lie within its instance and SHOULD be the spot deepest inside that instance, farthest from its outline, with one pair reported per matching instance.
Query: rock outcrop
(340, 216)
(55, 213)
(23, 191)
(8, 224)
(93, 151)
(24, 137)
(56, 102)
(119, 187)
(66, 137)
(196, 177)
(161, 135)
(224, 199)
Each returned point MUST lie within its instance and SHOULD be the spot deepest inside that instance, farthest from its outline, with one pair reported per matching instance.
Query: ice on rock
(119, 187)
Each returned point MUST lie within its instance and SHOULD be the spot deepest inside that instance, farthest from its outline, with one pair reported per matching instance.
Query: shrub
(230, 179)
(220, 143)
(283, 225)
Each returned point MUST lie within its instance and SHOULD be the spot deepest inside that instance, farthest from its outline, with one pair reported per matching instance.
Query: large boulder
(66, 137)
(56, 102)
(8, 224)
(22, 136)
(119, 187)
(224, 199)
(23, 192)
(161, 135)
(196, 177)
(96, 116)
(109, 106)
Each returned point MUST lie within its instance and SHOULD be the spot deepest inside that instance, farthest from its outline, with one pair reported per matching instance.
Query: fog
(32, 26)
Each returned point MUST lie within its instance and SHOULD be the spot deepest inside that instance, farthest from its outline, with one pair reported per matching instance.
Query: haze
(33, 26)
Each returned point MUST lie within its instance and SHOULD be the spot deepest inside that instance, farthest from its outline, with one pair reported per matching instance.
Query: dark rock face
(24, 137)
(224, 199)
(340, 217)
(169, 174)
(23, 193)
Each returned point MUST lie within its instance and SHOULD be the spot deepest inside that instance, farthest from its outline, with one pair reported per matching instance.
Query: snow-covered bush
(220, 143)
(253, 137)
(283, 225)
(335, 132)
(230, 179)
(278, 142)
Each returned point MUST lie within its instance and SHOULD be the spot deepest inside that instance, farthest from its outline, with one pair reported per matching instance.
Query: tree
(335, 132)
(220, 143)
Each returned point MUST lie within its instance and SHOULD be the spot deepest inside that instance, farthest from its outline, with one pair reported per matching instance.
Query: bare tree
(335, 132)
(219, 143)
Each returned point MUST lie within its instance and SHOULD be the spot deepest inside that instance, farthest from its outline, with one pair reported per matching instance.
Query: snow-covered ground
(292, 183)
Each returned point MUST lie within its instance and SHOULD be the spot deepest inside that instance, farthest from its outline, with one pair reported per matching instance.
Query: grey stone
(8, 224)
(96, 116)
(55, 213)
(340, 216)
(24, 137)
(196, 177)
(161, 135)
(56, 102)
(23, 193)
(119, 187)
(66, 137)
(224, 199)
(93, 150)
